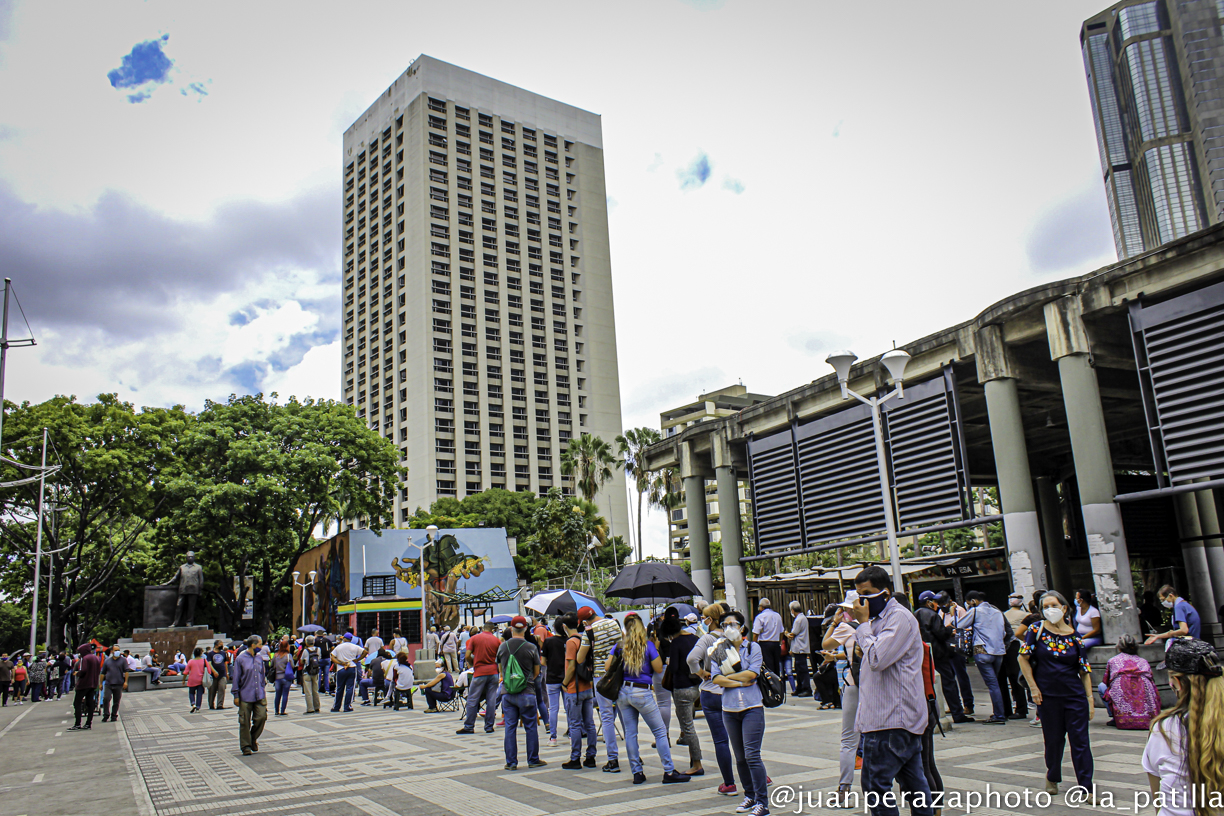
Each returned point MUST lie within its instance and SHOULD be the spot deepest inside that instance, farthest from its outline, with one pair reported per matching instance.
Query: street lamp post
(895, 362)
(42, 486)
(303, 585)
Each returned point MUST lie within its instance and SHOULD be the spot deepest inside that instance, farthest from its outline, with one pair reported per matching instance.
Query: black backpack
(773, 688)
(585, 670)
(312, 662)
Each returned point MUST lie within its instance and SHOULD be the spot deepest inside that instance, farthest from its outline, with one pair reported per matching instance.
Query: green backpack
(514, 679)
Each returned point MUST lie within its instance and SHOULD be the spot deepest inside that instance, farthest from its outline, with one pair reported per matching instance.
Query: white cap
(851, 599)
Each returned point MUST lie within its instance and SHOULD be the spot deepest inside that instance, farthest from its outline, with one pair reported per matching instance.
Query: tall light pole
(895, 362)
(42, 486)
(55, 508)
(303, 585)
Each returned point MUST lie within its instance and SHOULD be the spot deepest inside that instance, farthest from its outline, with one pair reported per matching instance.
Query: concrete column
(698, 523)
(699, 535)
(1111, 573)
(1202, 597)
(1053, 535)
(1020, 522)
(732, 537)
(1213, 545)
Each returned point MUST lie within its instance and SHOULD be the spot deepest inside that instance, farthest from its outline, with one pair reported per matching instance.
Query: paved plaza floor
(159, 760)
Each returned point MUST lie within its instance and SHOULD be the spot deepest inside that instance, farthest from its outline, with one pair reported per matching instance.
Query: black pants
(800, 663)
(4, 691)
(83, 704)
(947, 681)
(1011, 684)
(1065, 720)
(771, 654)
(826, 685)
(928, 750)
(116, 693)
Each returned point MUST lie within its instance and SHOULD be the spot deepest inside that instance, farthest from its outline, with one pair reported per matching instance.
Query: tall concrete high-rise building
(478, 320)
(1156, 81)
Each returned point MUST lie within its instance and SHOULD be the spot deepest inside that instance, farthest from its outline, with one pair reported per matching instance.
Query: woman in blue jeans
(711, 695)
(735, 665)
(282, 672)
(641, 660)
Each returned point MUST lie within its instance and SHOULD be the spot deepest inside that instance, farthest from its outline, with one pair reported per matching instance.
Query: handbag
(773, 690)
(208, 678)
(667, 683)
(610, 684)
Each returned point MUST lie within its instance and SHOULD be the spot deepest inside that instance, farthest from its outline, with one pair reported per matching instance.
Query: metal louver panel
(838, 477)
(775, 496)
(1179, 348)
(925, 454)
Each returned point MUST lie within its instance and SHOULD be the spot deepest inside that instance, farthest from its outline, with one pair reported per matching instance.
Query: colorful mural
(466, 561)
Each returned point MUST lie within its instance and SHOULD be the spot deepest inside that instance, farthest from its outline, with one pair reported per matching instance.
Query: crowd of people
(875, 658)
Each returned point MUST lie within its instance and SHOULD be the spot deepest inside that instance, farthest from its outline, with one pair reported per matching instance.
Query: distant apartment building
(720, 403)
(478, 319)
(1156, 83)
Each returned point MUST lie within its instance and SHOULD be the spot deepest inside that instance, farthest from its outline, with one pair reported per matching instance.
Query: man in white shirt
(374, 644)
(133, 661)
(399, 643)
(345, 657)
(148, 665)
(767, 632)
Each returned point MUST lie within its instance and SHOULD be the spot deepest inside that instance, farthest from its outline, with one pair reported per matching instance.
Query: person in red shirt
(481, 655)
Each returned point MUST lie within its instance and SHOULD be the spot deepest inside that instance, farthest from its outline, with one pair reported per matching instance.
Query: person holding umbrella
(641, 661)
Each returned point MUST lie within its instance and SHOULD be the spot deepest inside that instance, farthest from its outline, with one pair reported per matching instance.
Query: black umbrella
(237, 644)
(652, 582)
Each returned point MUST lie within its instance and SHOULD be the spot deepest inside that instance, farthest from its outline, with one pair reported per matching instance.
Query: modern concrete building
(1095, 405)
(478, 318)
(1156, 81)
(720, 403)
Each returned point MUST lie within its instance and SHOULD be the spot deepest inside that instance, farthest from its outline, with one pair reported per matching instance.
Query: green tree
(590, 461)
(254, 478)
(630, 445)
(111, 488)
(504, 508)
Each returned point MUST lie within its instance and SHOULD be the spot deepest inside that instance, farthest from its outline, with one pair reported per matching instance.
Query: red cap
(586, 613)
(518, 622)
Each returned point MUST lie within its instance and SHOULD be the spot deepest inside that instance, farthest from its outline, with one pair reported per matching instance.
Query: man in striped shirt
(892, 711)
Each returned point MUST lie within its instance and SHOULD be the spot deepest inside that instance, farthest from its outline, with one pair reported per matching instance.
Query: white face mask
(1053, 614)
(1167, 604)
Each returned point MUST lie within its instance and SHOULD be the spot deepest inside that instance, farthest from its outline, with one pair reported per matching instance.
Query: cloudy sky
(784, 178)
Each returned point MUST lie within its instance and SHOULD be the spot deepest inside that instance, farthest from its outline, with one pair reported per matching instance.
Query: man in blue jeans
(346, 657)
(892, 712)
(579, 700)
(990, 636)
(521, 704)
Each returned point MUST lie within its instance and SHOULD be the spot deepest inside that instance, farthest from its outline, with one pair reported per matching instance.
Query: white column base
(704, 579)
(1023, 533)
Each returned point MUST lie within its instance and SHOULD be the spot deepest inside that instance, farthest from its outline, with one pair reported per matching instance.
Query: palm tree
(664, 493)
(595, 525)
(631, 444)
(589, 459)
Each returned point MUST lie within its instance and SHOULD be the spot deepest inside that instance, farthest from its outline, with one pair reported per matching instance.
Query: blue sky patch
(144, 67)
(696, 174)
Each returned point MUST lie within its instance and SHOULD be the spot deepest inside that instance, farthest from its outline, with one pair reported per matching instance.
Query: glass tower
(1156, 83)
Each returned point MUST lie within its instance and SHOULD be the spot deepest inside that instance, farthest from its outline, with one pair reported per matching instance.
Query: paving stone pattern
(378, 762)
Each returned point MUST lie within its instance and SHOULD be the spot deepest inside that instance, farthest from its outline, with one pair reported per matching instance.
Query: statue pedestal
(159, 606)
(168, 640)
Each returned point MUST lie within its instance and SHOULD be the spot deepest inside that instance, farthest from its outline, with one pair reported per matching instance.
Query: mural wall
(469, 561)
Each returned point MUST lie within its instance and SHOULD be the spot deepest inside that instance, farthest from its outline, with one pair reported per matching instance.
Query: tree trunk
(265, 614)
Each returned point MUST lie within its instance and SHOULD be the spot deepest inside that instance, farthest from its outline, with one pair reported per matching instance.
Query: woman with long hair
(641, 661)
(1184, 757)
(194, 669)
(1088, 619)
(282, 675)
(1055, 664)
(736, 663)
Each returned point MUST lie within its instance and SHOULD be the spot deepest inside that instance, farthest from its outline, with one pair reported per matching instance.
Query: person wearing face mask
(934, 631)
(1183, 753)
(892, 712)
(840, 634)
(1055, 664)
(711, 694)
(949, 612)
(1186, 622)
(735, 665)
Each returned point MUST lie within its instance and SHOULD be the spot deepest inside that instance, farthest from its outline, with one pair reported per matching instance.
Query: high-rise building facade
(478, 320)
(1156, 82)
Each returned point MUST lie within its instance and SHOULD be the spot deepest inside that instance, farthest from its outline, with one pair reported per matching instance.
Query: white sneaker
(552, 742)
(1035, 723)
(747, 805)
